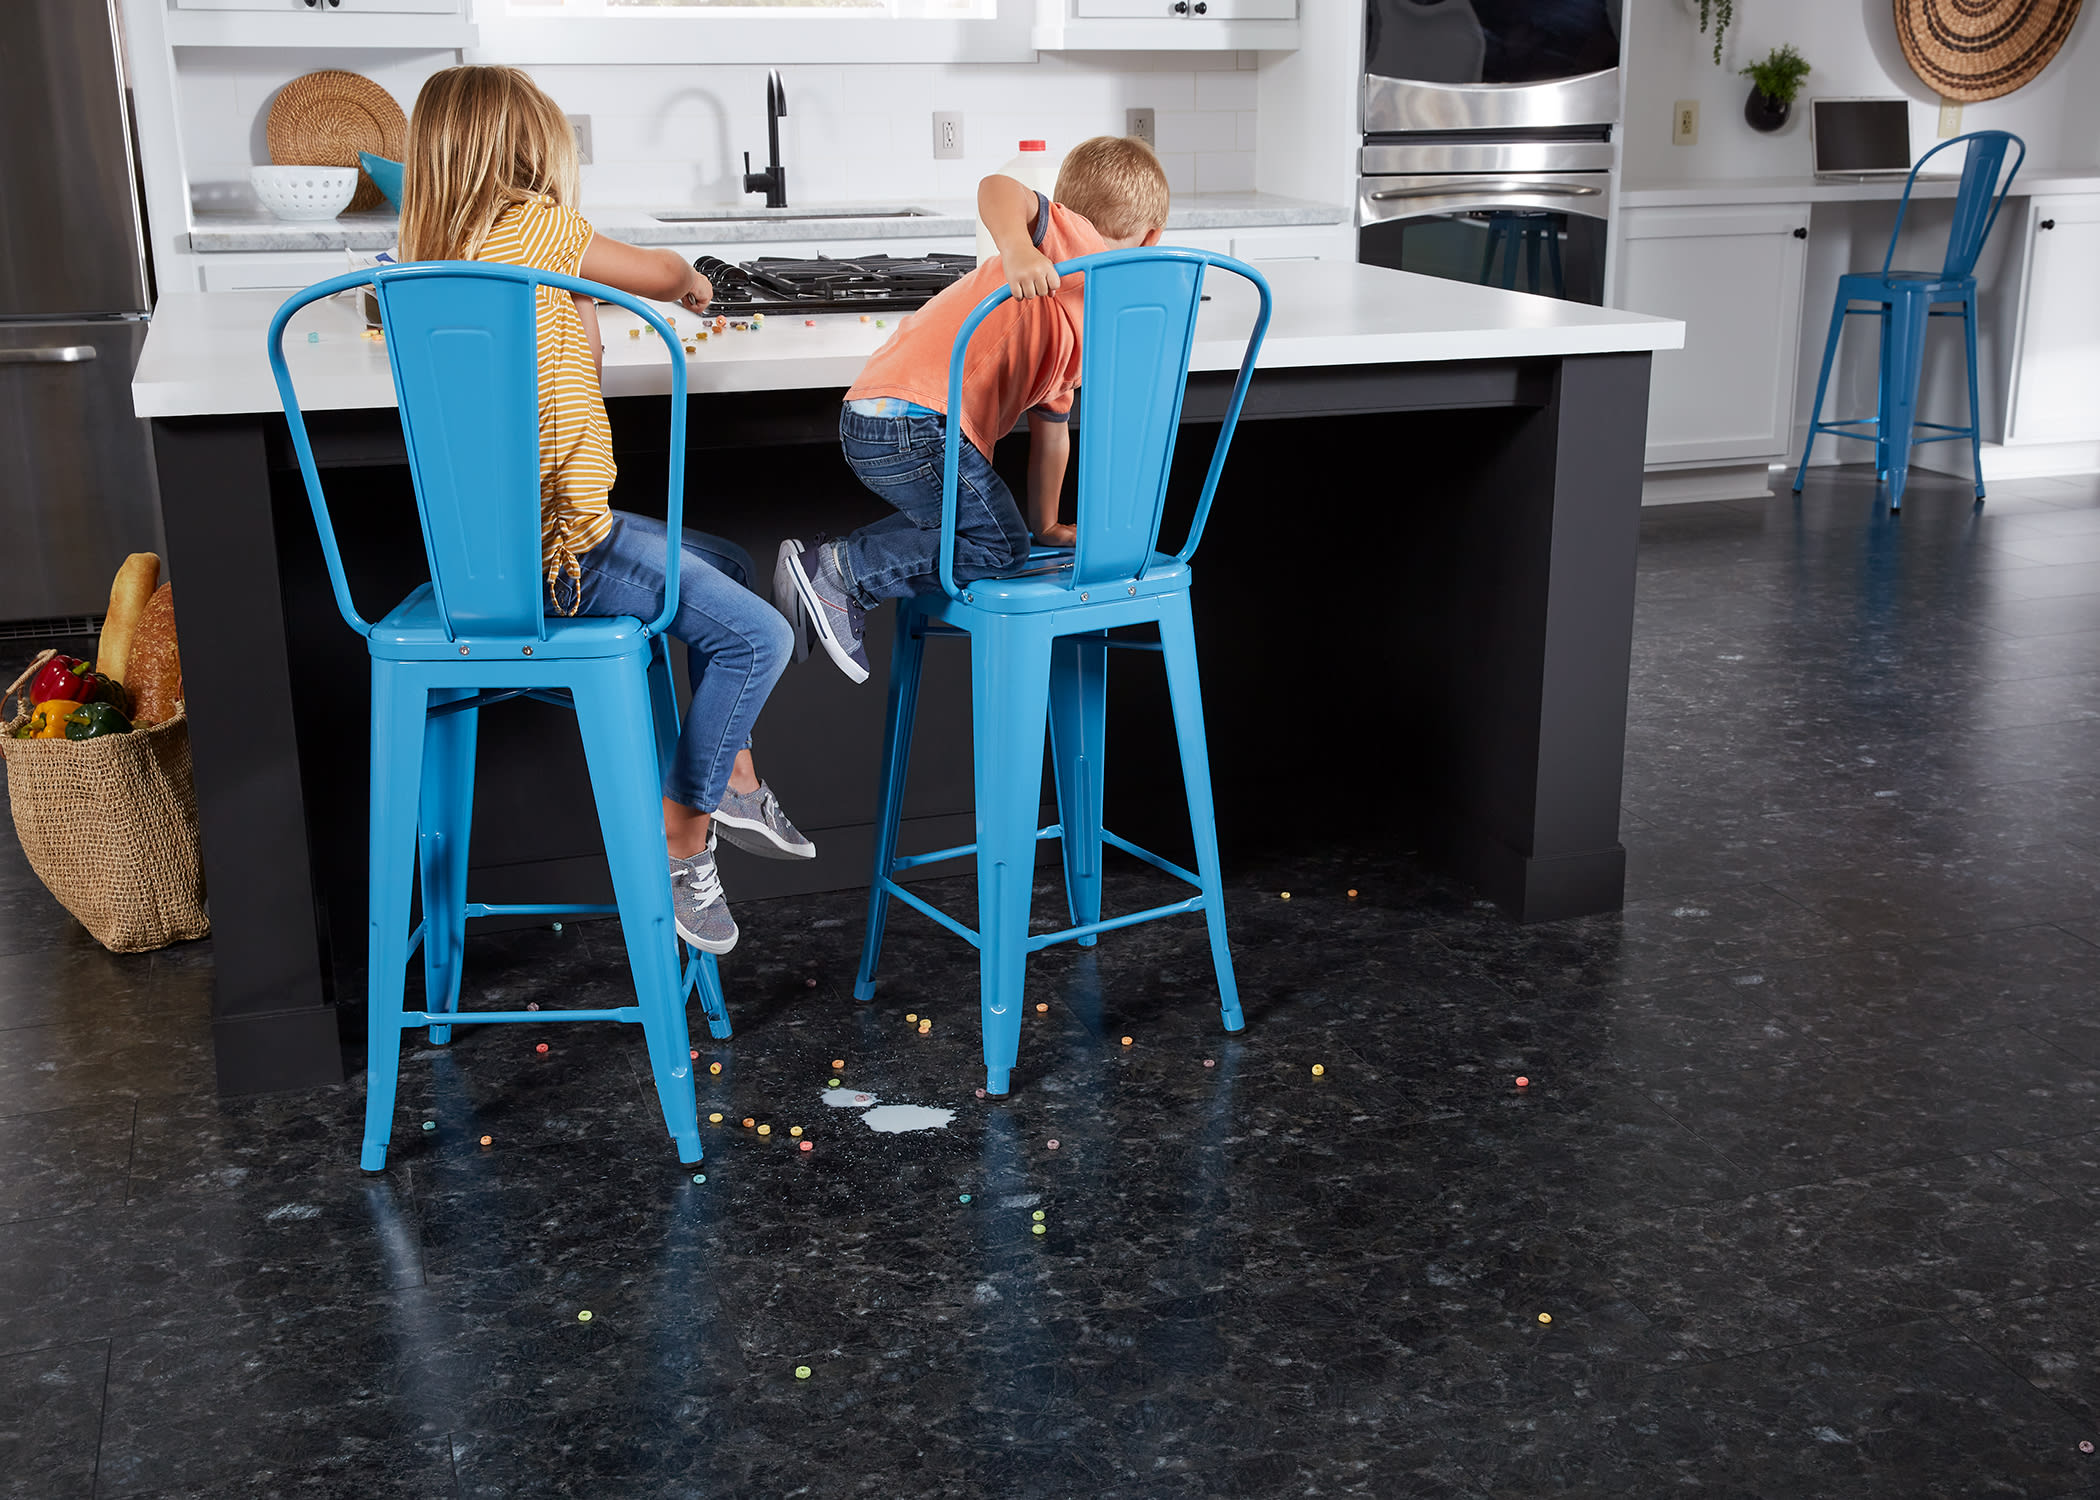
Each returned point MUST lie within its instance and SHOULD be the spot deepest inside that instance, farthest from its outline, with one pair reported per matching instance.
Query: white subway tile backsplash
(666, 135)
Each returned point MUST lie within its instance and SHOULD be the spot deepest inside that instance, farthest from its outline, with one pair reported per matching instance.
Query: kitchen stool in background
(1039, 644)
(462, 339)
(1904, 301)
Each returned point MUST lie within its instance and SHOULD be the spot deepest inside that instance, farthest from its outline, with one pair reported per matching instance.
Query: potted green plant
(1775, 81)
(1720, 14)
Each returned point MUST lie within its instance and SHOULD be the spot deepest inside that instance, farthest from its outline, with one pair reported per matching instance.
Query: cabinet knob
(1801, 234)
(1202, 9)
(1181, 7)
(2048, 223)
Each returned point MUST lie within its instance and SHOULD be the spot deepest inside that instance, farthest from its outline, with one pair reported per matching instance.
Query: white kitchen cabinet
(1166, 25)
(2055, 387)
(247, 271)
(341, 7)
(1733, 274)
(419, 25)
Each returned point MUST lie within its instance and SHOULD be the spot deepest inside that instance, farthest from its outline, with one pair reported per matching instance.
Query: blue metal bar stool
(462, 338)
(1510, 231)
(1903, 302)
(1039, 645)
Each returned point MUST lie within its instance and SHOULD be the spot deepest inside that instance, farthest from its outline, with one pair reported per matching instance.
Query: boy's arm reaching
(1008, 209)
(1049, 446)
(660, 275)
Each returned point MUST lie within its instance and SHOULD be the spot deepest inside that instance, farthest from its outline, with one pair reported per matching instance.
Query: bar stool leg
(1815, 413)
(1968, 328)
(1010, 687)
(399, 703)
(445, 833)
(907, 660)
(1078, 742)
(1906, 364)
(1177, 635)
(612, 708)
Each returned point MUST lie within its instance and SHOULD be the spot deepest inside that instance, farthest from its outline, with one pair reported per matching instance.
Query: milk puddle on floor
(890, 1119)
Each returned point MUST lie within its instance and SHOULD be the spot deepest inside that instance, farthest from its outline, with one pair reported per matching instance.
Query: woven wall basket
(325, 119)
(1979, 49)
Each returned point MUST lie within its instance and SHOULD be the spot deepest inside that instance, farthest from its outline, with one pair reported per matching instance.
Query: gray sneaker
(754, 822)
(701, 909)
(820, 597)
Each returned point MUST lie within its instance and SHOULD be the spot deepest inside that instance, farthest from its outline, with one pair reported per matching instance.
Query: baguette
(156, 665)
(127, 600)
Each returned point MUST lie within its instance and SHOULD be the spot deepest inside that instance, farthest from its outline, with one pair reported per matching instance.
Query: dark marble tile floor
(1806, 1179)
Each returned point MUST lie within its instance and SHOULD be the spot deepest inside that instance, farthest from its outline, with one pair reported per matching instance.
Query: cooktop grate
(856, 284)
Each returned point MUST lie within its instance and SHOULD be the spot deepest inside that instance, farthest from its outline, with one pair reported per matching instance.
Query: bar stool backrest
(1139, 328)
(462, 338)
(1977, 203)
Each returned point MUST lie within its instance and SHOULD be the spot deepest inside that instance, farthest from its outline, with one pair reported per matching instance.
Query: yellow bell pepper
(47, 721)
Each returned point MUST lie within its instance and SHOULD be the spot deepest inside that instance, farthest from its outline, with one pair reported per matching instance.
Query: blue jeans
(899, 458)
(737, 641)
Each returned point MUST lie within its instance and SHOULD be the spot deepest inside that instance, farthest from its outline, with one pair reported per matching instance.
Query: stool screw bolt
(463, 651)
(1133, 591)
(1083, 598)
(528, 651)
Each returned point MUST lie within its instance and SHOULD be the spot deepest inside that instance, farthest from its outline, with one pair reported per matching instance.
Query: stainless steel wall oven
(1487, 152)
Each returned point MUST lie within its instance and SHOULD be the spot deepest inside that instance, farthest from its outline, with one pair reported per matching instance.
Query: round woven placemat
(1979, 49)
(326, 118)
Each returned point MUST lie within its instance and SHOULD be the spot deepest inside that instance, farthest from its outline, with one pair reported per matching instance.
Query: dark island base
(1415, 616)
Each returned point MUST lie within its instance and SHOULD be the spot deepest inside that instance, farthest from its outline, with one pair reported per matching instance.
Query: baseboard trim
(1743, 481)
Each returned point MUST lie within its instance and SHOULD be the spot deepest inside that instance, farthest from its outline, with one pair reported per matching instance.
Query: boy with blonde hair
(1111, 195)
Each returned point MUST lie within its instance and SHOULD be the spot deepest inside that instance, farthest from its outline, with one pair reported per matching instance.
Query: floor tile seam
(1890, 939)
(102, 1414)
(1954, 1326)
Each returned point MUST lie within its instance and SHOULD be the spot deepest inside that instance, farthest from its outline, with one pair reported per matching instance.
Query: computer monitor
(1861, 135)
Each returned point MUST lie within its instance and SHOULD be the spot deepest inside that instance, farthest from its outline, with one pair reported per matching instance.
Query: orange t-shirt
(1024, 356)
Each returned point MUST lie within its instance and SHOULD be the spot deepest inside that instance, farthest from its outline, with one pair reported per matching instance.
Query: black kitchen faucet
(773, 182)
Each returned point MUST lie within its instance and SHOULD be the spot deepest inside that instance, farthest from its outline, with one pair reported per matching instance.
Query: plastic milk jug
(1035, 167)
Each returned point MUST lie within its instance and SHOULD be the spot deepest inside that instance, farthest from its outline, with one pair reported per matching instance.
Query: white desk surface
(1810, 189)
(204, 352)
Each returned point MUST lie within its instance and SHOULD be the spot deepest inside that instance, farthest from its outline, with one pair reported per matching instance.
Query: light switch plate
(581, 124)
(1684, 123)
(947, 135)
(1950, 118)
(1138, 122)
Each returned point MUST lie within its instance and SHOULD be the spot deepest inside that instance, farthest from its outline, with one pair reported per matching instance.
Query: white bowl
(304, 192)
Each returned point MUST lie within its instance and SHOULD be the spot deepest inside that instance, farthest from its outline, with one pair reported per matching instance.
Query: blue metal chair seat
(1039, 647)
(462, 340)
(1904, 302)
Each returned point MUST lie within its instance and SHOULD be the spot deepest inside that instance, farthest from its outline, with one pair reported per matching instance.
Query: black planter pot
(1763, 113)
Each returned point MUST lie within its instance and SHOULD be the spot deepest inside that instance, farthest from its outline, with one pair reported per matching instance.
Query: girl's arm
(587, 310)
(658, 274)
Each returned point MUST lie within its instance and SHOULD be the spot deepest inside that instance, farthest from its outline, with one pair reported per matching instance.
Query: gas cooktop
(862, 283)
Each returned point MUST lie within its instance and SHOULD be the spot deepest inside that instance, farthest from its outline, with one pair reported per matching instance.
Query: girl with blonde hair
(491, 175)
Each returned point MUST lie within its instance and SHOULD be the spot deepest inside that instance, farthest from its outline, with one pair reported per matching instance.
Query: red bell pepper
(59, 679)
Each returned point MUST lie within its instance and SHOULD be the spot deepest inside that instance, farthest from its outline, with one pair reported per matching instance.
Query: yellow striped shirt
(576, 457)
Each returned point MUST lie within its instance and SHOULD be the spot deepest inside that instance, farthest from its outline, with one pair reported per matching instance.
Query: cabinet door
(250, 272)
(2056, 357)
(339, 7)
(1733, 275)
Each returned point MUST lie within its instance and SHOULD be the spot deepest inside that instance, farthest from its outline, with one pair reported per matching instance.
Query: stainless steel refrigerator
(76, 470)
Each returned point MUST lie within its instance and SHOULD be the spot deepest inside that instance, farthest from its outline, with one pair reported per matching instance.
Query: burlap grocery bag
(110, 827)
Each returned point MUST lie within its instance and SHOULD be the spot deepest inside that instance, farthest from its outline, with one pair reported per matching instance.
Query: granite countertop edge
(223, 232)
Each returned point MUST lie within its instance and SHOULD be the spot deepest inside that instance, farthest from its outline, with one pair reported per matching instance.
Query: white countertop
(214, 231)
(204, 351)
(1810, 189)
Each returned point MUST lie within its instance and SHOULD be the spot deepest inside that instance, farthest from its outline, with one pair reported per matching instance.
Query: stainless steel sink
(768, 215)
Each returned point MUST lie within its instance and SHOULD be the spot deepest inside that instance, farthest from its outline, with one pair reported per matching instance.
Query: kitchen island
(1416, 610)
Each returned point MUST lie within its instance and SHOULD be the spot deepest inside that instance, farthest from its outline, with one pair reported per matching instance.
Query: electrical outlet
(1138, 123)
(1950, 118)
(1684, 123)
(581, 124)
(947, 135)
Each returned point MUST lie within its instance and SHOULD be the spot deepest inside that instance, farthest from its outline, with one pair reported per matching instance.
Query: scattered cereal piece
(430, 1124)
(912, 1017)
(838, 1065)
(802, 1372)
(488, 1140)
(313, 338)
(584, 1316)
(1286, 895)
(557, 927)
(1126, 1041)
(808, 1145)
(1037, 1216)
(809, 984)
(925, 1027)
(2086, 1446)
(1545, 1317)
(1352, 893)
(980, 1093)
(1210, 1062)
(880, 324)
(1523, 1082)
(794, 1130)
(542, 1047)
(765, 1130)
(711, 1067)
(1318, 1070)
(634, 333)
(693, 1052)
(699, 1177)
(831, 1083)
(749, 1122)
(864, 317)
(1040, 1228)
(715, 1118)
(1053, 1145)
(965, 1198)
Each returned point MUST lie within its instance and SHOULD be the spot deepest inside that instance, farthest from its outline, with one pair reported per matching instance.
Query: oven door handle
(50, 354)
(1474, 186)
